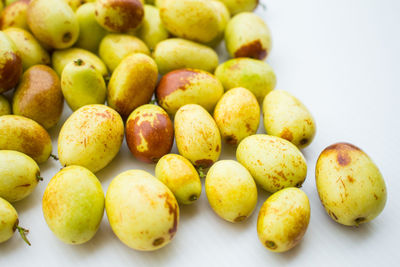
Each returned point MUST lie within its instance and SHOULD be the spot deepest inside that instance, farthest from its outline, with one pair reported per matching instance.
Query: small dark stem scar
(270, 244)
(67, 37)
(158, 241)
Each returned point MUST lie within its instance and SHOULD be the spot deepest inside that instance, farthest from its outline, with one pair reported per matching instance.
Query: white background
(342, 59)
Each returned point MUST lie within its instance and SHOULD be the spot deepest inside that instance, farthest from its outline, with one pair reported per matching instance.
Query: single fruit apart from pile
(350, 185)
(176, 53)
(5, 107)
(82, 85)
(152, 31)
(247, 35)
(10, 63)
(231, 191)
(188, 86)
(119, 15)
(283, 219)
(53, 22)
(132, 83)
(286, 117)
(197, 136)
(115, 47)
(26, 136)
(73, 205)
(149, 133)
(254, 75)
(9, 222)
(39, 96)
(142, 211)
(179, 175)
(237, 115)
(14, 15)
(274, 163)
(91, 137)
(19, 175)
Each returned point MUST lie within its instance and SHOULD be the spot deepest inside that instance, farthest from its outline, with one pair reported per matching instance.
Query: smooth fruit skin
(179, 175)
(5, 107)
(73, 205)
(175, 53)
(115, 47)
(238, 6)
(90, 32)
(142, 211)
(19, 175)
(8, 220)
(237, 115)
(152, 31)
(82, 85)
(196, 20)
(188, 86)
(53, 22)
(224, 17)
(132, 84)
(231, 191)
(254, 75)
(10, 63)
(119, 15)
(30, 50)
(283, 219)
(350, 185)
(61, 58)
(149, 133)
(274, 163)
(286, 117)
(14, 15)
(247, 35)
(26, 136)
(91, 137)
(197, 136)
(39, 96)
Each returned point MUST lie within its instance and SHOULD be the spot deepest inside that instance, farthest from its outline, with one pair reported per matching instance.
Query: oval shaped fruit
(224, 17)
(254, 75)
(115, 47)
(231, 191)
(90, 32)
(175, 53)
(61, 58)
(30, 51)
(286, 117)
(73, 205)
(283, 219)
(197, 136)
(188, 86)
(82, 85)
(91, 137)
(5, 107)
(247, 35)
(26, 136)
(14, 15)
(196, 20)
(149, 133)
(179, 175)
(237, 115)
(19, 175)
(274, 163)
(53, 22)
(9, 222)
(350, 185)
(238, 6)
(132, 83)
(119, 15)
(39, 97)
(142, 211)
(10, 63)
(152, 30)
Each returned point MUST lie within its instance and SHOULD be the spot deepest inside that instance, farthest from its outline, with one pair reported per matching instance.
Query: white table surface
(342, 59)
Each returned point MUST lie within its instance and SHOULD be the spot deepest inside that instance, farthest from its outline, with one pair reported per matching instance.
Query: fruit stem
(54, 157)
(78, 62)
(23, 232)
(264, 6)
(200, 170)
(39, 178)
(153, 101)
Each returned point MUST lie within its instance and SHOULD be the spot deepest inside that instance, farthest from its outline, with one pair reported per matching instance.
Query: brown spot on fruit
(359, 220)
(130, 15)
(303, 141)
(23, 185)
(343, 158)
(376, 197)
(271, 244)
(203, 163)
(253, 49)
(67, 37)
(333, 215)
(240, 218)
(158, 241)
(286, 134)
(231, 139)
(173, 81)
(10, 70)
(217, 148)
(351, 179)
(341, 147)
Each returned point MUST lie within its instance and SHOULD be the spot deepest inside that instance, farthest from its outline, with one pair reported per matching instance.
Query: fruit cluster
(114, 51)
